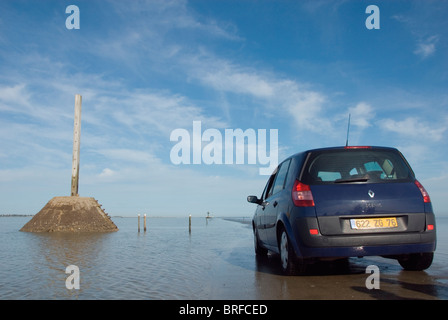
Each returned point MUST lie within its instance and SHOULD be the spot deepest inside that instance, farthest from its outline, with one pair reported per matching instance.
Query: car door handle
(275, 203)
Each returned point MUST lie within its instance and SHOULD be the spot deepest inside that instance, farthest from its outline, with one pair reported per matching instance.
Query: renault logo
(371, 194)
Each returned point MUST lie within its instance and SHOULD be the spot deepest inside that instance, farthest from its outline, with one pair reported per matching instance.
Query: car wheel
(259, 250)
(289, 262)
(416, 261)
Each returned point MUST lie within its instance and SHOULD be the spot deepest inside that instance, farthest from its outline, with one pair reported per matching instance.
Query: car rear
(366, 201)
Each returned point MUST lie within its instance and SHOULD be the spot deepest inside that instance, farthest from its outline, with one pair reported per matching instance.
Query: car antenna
(348, 130)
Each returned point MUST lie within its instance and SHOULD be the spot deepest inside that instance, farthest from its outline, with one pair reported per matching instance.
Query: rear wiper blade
(352, 180)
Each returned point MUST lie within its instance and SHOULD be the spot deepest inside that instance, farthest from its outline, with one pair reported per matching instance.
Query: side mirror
(253, 199)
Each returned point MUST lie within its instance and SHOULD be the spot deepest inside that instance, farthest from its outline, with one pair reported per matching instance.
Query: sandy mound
(71, 214)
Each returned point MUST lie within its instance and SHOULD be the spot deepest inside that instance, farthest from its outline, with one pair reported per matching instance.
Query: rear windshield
(356, 166)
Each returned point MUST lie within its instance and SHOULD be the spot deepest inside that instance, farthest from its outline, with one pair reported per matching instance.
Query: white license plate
(374, 223)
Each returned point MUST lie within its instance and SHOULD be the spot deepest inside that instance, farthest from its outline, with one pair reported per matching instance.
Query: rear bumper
(368, 246)
(361, 244)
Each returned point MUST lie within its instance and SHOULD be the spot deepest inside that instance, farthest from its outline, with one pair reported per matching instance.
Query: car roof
(351, 148)
(343, 148)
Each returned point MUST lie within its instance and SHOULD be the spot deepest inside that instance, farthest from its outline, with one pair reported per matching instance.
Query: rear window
(356, 166)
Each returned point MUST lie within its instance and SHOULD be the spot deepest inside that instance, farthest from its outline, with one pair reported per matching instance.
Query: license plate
(374, 223)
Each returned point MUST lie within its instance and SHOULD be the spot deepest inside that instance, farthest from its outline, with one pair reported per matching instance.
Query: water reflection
(215, 261)
(53, 252)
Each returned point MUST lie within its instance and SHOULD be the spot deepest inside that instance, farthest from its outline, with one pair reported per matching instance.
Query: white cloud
(361, 115)
(160, 34)
(285, 97)
(231, 78)
(413, 127)
(107, 173)
(168, 14)
(154, 112)
(128, 156)
(14, 95)
(426, 47)
(305, 106)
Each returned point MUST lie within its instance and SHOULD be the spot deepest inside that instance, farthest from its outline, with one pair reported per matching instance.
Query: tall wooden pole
(76, 145)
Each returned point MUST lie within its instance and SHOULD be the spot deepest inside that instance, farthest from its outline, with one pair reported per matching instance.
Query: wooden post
(76, 145)
(138, 222)
(144, 222)
(189, 223)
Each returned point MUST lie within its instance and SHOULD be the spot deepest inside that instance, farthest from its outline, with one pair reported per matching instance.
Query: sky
(147, 68)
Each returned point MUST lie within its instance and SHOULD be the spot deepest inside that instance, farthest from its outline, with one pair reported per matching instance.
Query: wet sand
(333, 281)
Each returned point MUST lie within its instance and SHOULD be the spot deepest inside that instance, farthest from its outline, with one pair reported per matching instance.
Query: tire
(416, 261)
(259, 250)
(290, 264)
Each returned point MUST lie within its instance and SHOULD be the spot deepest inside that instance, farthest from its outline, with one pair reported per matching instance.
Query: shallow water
(214, 261)
(165, 262)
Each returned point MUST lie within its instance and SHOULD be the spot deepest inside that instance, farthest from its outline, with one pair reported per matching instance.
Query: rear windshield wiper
(352, 180)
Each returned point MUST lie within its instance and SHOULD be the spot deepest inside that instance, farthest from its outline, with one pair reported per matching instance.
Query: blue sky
(146, 68)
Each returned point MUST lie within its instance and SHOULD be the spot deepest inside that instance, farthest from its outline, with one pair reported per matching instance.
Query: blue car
(335, 203)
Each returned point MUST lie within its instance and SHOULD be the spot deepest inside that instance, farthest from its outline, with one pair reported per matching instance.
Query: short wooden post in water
(189, 223)
(138, 222)
(144, 222)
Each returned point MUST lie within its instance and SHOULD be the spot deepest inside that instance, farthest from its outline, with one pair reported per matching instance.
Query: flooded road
(336, 281)
(215, 261)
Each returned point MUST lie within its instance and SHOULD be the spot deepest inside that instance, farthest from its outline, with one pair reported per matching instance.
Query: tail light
(357, 147)
(425, 194)
(301, 195)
